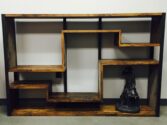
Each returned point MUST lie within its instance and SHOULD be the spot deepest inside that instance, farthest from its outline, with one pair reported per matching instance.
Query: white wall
(80, 6)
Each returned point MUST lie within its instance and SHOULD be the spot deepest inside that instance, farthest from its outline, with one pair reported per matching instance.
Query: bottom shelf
(105, 110)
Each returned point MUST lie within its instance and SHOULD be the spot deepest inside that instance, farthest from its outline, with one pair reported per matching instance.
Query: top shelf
(122, 15)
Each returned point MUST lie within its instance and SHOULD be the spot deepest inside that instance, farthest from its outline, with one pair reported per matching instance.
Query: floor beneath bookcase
(22, 120)
(104, 110)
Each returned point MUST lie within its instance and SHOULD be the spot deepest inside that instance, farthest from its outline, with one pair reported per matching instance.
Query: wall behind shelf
(80, 6)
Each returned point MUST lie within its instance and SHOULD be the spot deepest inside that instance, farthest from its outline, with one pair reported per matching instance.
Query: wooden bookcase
(68, 104)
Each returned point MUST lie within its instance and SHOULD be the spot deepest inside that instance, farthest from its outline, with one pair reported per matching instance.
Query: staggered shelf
(28, 86)
(138, 44)
(128, 62)
(74, 99)
(37, 68)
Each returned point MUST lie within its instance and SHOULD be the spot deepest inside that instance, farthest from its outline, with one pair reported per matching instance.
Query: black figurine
(129, 99)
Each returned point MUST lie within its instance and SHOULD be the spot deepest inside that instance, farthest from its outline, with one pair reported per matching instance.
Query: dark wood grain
(64, 40)
(162, 35)
(9, 45)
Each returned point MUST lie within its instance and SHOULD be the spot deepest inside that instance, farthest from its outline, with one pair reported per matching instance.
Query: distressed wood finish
(50, 108)
(153, 76)
(91, 31)
(11, 43)
(74, 97)
(100, 76)
(63, 51)
(32, 85)
(105, 110)
(138, 44)
(37, 68)
(159, 73)
(128, 62)
(10, 57)
(28, 86)
(65, 55)
(82, 15)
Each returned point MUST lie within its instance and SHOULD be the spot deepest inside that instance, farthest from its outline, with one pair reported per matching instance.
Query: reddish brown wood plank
(105, 110)
(28, 86)
(83, 15)
(38, 68)
(74, 97)
(128, 62)
(91, 31)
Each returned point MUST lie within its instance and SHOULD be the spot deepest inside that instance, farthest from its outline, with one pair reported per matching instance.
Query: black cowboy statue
(129, 99)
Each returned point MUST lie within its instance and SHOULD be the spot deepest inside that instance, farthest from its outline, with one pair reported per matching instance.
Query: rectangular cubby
(152, 76)
(142, 28)
(25, 45)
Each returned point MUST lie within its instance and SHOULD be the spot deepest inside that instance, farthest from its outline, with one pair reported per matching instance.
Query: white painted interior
(78, 6)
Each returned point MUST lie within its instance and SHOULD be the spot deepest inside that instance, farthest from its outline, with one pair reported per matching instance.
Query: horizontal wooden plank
(16, 85)
(83, 15)
(38, 68)
(128, 62)
(74, 97)
(138, 44)
(105, 110)
(91, 31)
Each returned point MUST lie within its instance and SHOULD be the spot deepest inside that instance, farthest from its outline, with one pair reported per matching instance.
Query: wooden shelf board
(138, 44)
(74, 97)
(38, 68)
(104, 110)
(83, 15)
(128, 62)
(16, 85)
(91, 31)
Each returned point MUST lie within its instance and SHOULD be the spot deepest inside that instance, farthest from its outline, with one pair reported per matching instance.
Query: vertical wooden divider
(162, 33)
(65, 57)
(100, 91)
(10, 59)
